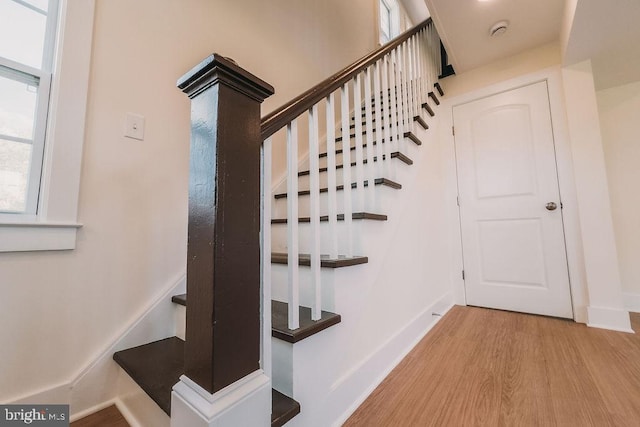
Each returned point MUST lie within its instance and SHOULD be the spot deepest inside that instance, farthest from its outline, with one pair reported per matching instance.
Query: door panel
(513, 247)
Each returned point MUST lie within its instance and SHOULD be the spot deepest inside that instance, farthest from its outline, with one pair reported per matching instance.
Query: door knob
(551, 206)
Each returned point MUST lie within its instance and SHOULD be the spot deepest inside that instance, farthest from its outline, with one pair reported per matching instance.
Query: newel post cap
(218, 69)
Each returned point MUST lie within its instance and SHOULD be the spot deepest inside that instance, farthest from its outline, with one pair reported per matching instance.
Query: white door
(511, 221)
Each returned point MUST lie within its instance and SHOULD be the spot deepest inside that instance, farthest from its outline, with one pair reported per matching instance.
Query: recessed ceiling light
(499, 28)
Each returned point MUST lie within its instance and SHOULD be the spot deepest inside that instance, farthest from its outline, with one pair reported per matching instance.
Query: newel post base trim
(247, 402)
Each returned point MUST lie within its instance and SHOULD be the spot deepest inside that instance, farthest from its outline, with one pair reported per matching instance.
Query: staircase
(326, 215)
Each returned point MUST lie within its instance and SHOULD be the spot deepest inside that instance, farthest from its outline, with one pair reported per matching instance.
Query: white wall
(523, 63)
(600, 254)
(60, 309)
(619, 109)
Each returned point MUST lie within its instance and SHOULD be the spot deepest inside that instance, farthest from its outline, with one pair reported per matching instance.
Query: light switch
(134, 126)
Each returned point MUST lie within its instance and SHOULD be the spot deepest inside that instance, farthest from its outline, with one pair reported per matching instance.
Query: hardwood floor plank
(493, 368)
(108, 417)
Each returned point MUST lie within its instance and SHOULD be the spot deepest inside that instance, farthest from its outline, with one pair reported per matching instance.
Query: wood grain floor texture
(481, 367)
(108, 417)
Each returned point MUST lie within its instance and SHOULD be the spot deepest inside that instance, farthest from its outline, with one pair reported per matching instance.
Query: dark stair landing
(157, 366)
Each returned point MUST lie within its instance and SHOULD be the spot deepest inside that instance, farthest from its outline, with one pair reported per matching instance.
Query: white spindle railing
(388, 92)
(357, 100)
(379, 120)
(293, 288)
(386, 120)
(332, 209)
(346, 170)
(314, 213)
(371, 171)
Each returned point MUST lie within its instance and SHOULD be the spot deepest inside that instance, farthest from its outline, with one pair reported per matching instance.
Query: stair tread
(180, 299)
(352, 126)
(379, 181)
(325, 218)
(156, 367)
(395, 155)
(325, 260)
(421, 122)
(427, 107)
(283, 408)
(280, 322)
(434, 98)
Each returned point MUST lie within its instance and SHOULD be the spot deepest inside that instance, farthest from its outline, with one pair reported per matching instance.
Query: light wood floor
(108, 417)
(493, 368)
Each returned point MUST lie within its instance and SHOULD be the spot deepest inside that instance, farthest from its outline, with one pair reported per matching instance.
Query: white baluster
(386, 112)
(415, 76)
(407, 98)
(423, 67)
(434, 67)
(412, 78)
(265, 264)
(346, 168)
(357, 103)
(379, 119)
(398, 100)
(314, 213)
(292, 225)
(371, 171)
(427, 51)
(396, 116)
(405, 85)
(332, 209)
(438, 57)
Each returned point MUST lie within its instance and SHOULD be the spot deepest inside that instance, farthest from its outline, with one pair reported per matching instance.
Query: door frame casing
(566, 182)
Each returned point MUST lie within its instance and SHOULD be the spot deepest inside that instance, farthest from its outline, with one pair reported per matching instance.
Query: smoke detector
(499, 28)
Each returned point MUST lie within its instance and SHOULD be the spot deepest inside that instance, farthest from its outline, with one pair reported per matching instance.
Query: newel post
(222, 349)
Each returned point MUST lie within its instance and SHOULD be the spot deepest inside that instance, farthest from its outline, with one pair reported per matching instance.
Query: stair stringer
(386, 305)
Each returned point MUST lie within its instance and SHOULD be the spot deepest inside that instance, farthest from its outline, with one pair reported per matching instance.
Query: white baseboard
(631, 301)
(94, 385)
(609, 318)
(99, 407)
(387, 357)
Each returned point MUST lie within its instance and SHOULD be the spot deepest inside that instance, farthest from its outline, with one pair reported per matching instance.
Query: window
(45, 53)
(389, 20)
(27, 33)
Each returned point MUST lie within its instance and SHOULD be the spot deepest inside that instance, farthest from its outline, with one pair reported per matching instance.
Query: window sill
(37, 236)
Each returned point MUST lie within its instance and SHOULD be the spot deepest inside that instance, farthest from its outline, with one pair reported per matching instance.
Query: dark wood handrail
(279, 118)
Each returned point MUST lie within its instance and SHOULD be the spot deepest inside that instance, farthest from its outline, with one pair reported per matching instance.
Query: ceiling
(605, 31)
(464, 27)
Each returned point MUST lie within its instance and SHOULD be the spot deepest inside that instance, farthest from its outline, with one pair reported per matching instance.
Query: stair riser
(378, 171)
(382, 194)
(360, 230)
(365, 155)
(181, 321)
(279, 279)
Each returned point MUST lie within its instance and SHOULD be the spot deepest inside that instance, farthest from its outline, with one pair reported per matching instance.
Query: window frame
(394, 20)
(54, 223)
(43, 74)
